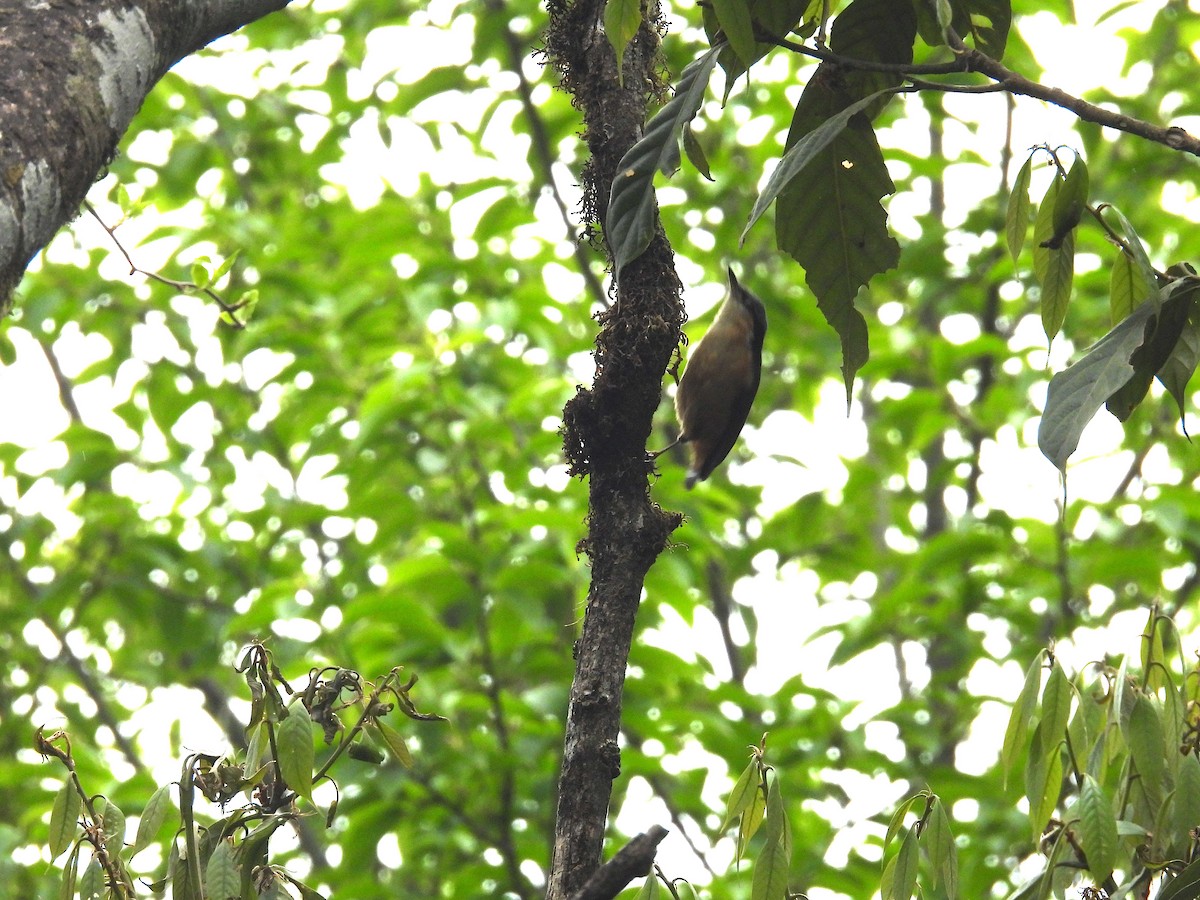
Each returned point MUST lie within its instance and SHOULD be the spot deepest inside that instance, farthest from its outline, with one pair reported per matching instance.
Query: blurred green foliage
(369, 473)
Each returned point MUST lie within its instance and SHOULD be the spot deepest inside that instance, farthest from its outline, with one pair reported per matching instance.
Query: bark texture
(606, 428)
(73, 73)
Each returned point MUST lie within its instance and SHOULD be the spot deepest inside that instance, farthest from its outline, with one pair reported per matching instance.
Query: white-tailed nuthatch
(720, 381)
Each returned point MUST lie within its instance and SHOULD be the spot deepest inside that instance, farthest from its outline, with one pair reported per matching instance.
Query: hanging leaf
(1153, 354)
(631, 207)
(804, 152)
(64, 819)
(152, 818)
(295, 742)
(1075, 394)
(221, 878)
(1069, 203)
(622, 19)
(1053, 266)
(1022, 714)
(1097, 829)
(1016, 225)
(735, 20)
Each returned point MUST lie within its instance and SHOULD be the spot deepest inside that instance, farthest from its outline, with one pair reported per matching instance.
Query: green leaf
(1053, 266)
(1069, 203)
(1043, 787)
(1056, 708)
(91, 883)
(735, 20)
(622, 19)
(804, 152)
(112, 826)
(1125, 288)
(1016, 224)
(225, 266)
(1022, 714)
(1162, 336)
(938, 841)
(152, 818)
(752, 818)
(830, 220)
(1136, 253)
(1075, 394)
(989, 22)
(64, 819)
(221, 878)
(741, 796)
(1184, 886)
(1145, 739)
(394, 742)
(1184, 803)
(1177, 371)
(200, 277)
(294, 739)
(66, 887)
(896, 822)
(649, 890)
(1097, 829)
(771, 868)
(904, 879)
(695, 152)
(632, 209)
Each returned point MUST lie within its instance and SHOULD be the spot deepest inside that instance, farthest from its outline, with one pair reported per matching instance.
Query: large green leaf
(632, 210)
(1075, 394)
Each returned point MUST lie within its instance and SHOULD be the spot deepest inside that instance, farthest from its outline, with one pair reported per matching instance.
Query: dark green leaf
(632, 210)
(1054, 265)
(1076, 393)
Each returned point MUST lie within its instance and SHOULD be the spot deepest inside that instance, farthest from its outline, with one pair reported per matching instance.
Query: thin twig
(971, 60)
(545, 156)
(185, 287)
(66, 391)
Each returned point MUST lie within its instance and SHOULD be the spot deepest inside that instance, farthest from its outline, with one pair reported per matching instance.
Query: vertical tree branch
(606, 427)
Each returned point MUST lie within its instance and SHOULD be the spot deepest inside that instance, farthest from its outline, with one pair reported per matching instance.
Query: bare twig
(66, 391)
(187, 287)
(971, 60)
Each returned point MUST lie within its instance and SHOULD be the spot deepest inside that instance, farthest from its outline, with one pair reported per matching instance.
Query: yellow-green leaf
(736, 22)
(152, 817)
(1018, 722)
(742, 795)
(394, 741)
(1097, 829)
(622, 19)
(1016, 224)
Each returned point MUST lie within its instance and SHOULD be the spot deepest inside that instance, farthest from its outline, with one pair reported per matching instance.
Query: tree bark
(73, 73)
(606, 428)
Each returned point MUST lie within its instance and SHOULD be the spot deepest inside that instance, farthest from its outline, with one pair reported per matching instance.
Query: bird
(720, 381)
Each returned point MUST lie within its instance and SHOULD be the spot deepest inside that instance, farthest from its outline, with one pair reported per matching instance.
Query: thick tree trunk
(73, 73)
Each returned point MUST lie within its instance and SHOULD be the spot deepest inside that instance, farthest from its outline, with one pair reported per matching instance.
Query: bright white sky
(1018, 479)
